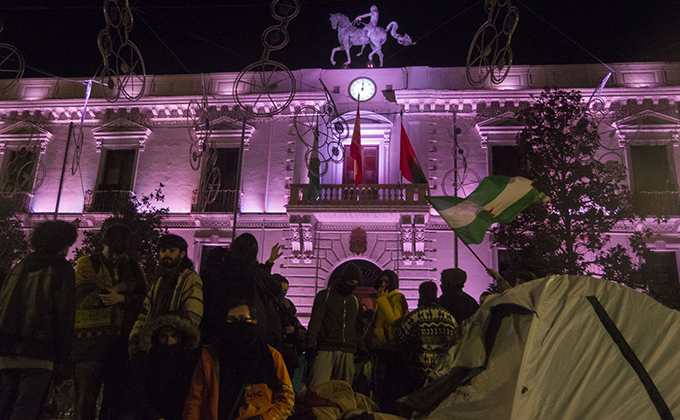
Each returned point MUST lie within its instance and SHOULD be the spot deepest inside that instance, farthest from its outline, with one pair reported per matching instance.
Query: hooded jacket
(336, 323)
(389, 311)
(202, 403)
(160, 379)
(37, 308)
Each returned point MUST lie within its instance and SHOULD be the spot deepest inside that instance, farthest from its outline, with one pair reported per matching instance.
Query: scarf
(244, 359)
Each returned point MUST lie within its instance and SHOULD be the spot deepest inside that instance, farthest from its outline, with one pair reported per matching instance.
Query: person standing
(160, 377)
(178, 291)
(335, 330)
(37, 309)
(425, 334)
(239, 377)
(453, 298)
(110, 287)
(390, 307)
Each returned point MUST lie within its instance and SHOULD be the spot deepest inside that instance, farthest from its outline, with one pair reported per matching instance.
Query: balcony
(363, 197)
(224, 202)
(106, 201)
(656, 203)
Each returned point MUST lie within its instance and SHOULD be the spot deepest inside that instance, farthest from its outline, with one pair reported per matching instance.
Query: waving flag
(355, 150)
(408, 162)
(497, 199)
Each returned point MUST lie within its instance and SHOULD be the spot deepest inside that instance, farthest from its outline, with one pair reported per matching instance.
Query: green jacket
(336, 323)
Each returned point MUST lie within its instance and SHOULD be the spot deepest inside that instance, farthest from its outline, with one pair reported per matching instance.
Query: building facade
(134, 147)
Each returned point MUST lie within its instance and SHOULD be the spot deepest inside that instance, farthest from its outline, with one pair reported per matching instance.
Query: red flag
(355, 150)
(408, 162)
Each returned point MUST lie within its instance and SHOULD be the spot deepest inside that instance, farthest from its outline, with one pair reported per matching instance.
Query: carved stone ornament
(357, 241)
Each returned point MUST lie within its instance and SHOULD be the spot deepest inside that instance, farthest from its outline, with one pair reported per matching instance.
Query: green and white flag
(497, 199)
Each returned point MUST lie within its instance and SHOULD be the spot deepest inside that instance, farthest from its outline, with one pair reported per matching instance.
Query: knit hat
(351, 272)
(453, 278)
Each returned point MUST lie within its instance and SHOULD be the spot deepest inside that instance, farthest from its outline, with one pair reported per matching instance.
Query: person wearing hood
(161, 375)
(453, 298)
(335, 330)
(235, 273)
(239, 376)
(178, 291)
(110, 287)
(390, 308)
(37, 311)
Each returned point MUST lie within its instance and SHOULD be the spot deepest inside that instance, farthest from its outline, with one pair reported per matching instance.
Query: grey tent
(563, 347)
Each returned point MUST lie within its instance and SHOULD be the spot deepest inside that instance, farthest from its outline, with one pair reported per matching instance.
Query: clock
(362, 89)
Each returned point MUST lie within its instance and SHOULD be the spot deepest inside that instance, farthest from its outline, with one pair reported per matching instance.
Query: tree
(145, 220)
(13, 242)
(558, 152)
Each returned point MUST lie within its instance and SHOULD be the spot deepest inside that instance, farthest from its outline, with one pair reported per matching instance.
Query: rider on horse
(373, 14)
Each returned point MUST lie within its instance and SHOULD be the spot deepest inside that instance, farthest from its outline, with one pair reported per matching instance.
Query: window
(666, 265)
(116, 180)
(19, 170)
(505, 161)
(369, 159)
(223, 198)
(654, 182)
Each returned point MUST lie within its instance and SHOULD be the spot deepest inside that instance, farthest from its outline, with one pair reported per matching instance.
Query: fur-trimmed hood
(191, 336)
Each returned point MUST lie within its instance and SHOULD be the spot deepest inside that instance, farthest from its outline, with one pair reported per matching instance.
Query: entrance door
(369, 158)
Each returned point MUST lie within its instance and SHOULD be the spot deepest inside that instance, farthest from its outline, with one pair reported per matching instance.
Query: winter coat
(233, 276)
(37, 308)
(424, 335)
(96, 324)
(460, 304)
(187, 300)
(159, 383)
(202, 403)
(336, 323)
(389, 310)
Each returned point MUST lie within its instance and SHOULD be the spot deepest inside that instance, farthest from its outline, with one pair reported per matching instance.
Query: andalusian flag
(497, 199)
(355, 150)
(408, 162)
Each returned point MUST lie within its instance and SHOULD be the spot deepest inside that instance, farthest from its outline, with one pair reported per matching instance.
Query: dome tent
(563, 347)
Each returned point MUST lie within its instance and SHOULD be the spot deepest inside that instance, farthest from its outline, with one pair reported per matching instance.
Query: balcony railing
(656, 203)
(362, 195)
(224, 201)
(106, 201)
(19, 202)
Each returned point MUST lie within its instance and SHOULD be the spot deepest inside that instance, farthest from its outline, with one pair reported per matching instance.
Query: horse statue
(350, 35)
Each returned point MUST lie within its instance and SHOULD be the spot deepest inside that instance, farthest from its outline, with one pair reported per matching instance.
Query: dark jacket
(230, 276)
(336, 323)
(37, 308)
(160, 381)
(460, 304)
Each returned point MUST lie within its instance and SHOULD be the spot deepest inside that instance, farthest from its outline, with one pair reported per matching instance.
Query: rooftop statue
(351, 34)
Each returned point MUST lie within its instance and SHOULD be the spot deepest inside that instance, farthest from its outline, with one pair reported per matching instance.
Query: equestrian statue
(350, 34)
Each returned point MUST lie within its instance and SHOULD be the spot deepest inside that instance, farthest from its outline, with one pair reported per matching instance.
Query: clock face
(362, 89)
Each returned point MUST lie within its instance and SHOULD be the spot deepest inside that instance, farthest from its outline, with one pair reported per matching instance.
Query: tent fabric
(541, 351)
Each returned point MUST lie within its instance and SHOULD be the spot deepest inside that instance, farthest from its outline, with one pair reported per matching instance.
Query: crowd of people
(225, 344)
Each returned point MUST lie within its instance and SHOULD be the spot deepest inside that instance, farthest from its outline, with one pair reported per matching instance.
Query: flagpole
(476, 256)
(455, 188)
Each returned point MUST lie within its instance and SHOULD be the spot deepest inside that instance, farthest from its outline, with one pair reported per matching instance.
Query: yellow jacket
(389, 311)
(202, 403)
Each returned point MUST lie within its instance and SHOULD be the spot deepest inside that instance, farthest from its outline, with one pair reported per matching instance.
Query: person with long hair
(239, 376)
(37, 309)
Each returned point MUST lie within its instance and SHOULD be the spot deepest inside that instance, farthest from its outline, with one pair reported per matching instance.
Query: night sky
(217, 36)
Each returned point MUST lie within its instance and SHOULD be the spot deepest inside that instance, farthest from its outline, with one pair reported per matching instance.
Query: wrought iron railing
(362, 195)
(656, 203)
(106, 201)
(214, 201)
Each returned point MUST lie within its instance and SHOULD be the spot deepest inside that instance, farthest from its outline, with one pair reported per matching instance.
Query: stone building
(132, 147)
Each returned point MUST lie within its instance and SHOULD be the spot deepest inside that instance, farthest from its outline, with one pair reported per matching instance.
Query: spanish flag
(355, 150)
